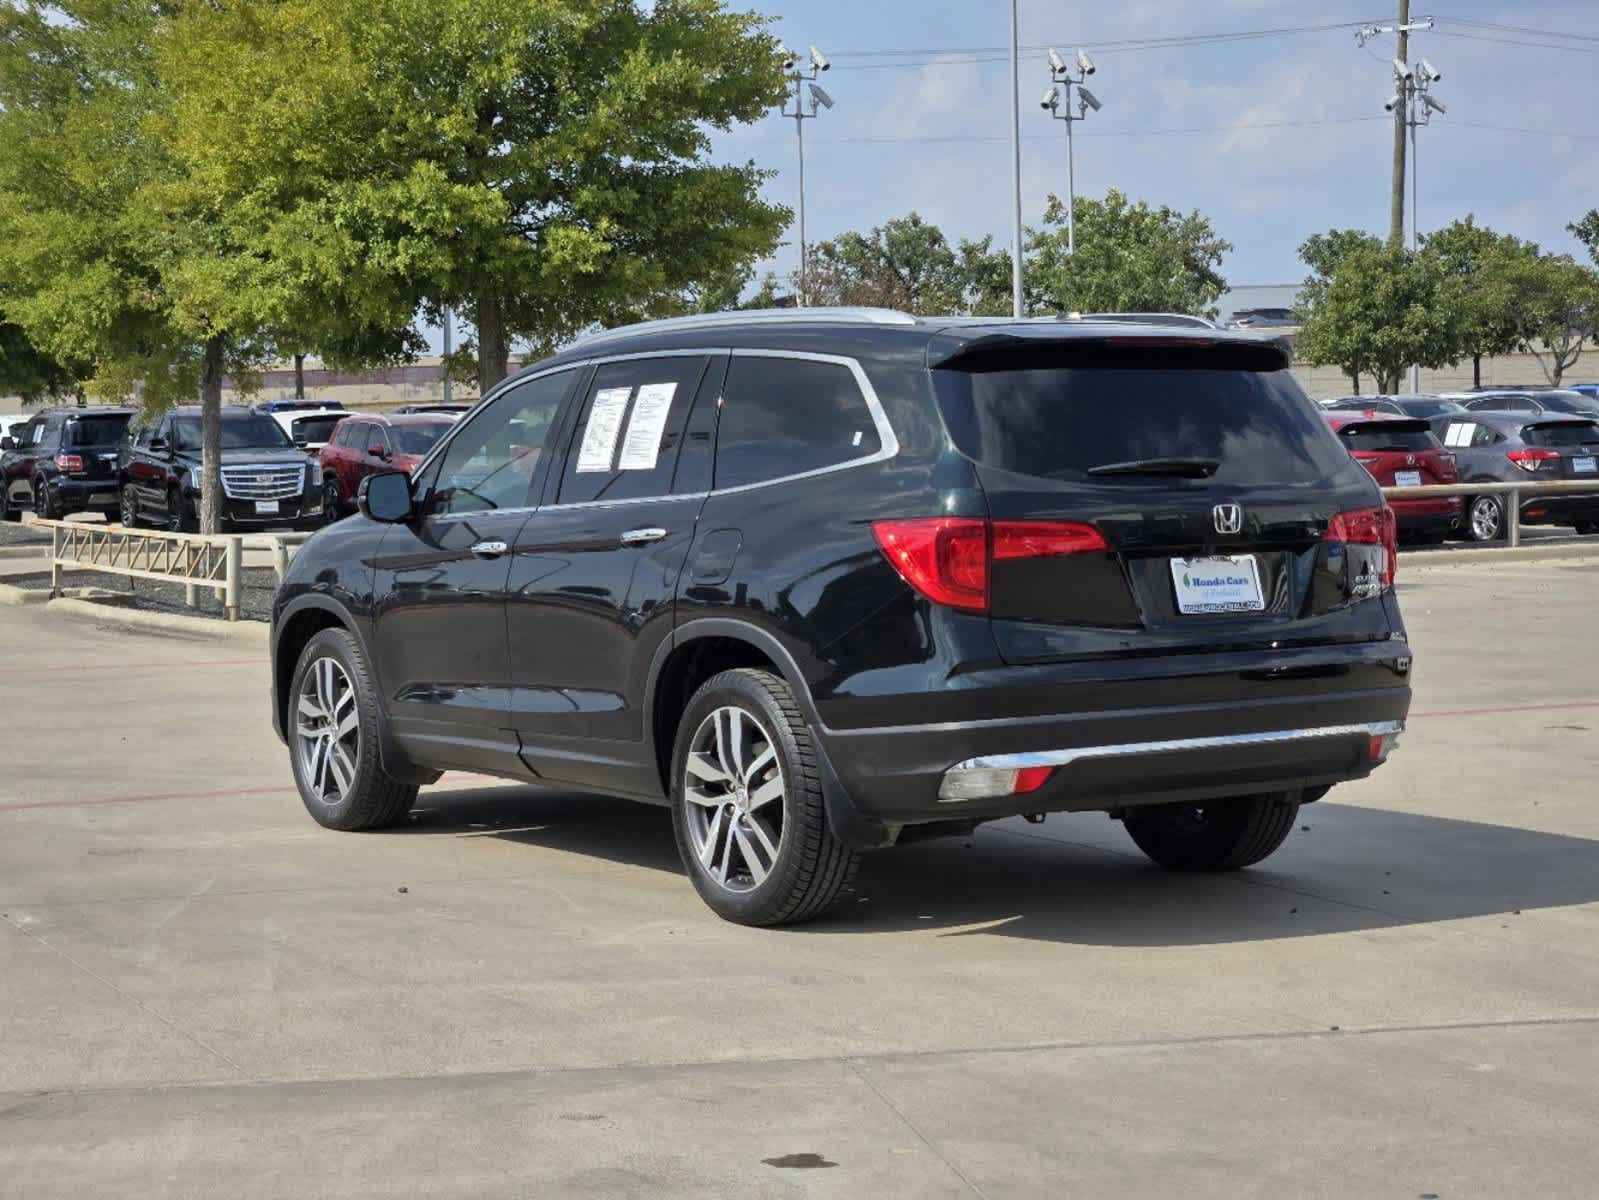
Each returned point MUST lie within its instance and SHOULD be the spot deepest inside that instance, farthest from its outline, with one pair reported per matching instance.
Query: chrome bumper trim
(1062, 758)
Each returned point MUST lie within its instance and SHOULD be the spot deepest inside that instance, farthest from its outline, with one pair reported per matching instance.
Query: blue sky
(1265, 183)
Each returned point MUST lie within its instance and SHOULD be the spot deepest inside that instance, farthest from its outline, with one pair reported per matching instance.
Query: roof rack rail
(757, 316)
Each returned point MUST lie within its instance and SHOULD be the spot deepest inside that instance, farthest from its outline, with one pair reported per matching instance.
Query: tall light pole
(1016, 170)
(803, 77)
(1058, 103)
(1403, 29)
(1412, 104)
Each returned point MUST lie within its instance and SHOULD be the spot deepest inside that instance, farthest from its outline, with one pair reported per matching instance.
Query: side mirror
(386, 498)
(377, 451)
(158, 443)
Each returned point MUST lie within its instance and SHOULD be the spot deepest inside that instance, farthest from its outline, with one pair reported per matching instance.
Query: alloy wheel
(130, 508)
(733, 784)
(327, 731)
(1485, 518)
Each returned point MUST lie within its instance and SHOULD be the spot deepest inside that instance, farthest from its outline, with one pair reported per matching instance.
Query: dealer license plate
(1583, 466)
(1221, 584)
(1407, 478)
(266, 508)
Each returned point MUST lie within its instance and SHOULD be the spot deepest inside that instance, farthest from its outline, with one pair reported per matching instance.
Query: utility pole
(803, 77)
(447, 323)
(1396, 202)
(1016, 170)
(1061, 77)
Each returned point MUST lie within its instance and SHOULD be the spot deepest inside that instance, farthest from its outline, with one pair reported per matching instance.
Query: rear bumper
(77, 494)
(1427, 515)
(1305, 723)
(1559, 510)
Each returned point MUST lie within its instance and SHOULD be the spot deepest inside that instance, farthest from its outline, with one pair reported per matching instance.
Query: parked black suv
(62, 461)
(266, 479)
(820, 578)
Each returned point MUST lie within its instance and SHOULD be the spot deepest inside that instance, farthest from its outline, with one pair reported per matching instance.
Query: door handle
(642, 537)
(490, 549)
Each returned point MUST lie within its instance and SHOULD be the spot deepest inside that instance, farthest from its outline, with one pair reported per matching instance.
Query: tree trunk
(492, 349)
(299, 377)
(211, 434)
(1354, 379)
(1476, 370)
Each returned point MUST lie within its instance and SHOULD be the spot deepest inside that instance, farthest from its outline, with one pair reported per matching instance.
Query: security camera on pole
(803, 76)
(1058, 103)
(1412, 102)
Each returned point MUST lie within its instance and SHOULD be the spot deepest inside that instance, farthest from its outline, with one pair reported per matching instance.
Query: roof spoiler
(951, 350)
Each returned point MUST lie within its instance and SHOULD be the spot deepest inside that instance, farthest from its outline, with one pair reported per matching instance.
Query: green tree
(1380, 309)
(1587, 232)
(538, 165)
(27, 372)
(1130, 257)
(908, 264)
(1323, 253)
(1554, 309)
(1477, 261)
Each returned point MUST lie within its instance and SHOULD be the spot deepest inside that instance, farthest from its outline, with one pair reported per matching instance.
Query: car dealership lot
(202, 993)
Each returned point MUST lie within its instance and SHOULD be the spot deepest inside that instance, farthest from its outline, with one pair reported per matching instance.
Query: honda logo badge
(1229, 518)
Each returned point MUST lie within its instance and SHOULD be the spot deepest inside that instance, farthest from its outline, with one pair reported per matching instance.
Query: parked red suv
(1404, 452)
(364, 445)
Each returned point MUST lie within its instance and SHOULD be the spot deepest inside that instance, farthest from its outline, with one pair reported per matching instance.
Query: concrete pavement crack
(132, 999)
(914, 1128)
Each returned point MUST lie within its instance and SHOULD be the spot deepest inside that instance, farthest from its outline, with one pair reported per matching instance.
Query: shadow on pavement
(1079, 879)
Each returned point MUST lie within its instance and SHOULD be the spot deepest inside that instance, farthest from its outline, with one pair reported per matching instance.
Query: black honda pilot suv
(821, 580)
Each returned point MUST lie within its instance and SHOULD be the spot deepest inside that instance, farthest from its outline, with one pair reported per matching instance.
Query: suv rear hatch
(1399, 453)
(1560, 449)
(89, 445)
(1230, 515)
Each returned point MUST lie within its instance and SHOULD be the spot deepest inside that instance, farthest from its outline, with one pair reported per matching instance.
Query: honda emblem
(1229, 518)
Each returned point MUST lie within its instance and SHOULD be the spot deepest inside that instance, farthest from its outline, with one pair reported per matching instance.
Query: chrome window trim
(885, 431)
(1063, 758)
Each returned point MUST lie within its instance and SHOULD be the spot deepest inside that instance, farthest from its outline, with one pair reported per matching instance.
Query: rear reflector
(986, 783)
(949, 559)
(1382, 745)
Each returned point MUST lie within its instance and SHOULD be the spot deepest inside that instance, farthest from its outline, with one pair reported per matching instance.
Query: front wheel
(332, 503)
(1217, 835)
(747, 804)
(333, 738)
(1485, 518)
(181, 517)
(128, 507)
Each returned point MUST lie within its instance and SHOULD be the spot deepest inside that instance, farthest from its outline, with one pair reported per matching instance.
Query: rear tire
(8, 510)
(1218, 835)
(749, 815)
(1586, 528)
(1485, 519)
(45, 508)
(332, 725)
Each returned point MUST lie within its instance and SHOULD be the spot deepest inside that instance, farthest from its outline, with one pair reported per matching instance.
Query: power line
(1521, 29)
(1505, 41)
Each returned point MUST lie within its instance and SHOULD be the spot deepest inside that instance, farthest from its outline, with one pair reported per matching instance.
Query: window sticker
(604, 427)
(1459, 434)
(642, 446)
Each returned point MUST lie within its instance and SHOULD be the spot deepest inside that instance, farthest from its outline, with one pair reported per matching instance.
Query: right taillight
(1370, 527)
(949, 559)
(1533, 457)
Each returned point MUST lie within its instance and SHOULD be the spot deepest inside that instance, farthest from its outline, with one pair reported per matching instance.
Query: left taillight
(70, 464)
(1370, 527)
(1533, 458)
(950, 559)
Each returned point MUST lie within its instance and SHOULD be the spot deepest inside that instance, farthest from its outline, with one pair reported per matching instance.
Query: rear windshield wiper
(1186, 468)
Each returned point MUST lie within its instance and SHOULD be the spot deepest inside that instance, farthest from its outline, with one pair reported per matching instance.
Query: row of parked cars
(1488, 435)
(284, 463)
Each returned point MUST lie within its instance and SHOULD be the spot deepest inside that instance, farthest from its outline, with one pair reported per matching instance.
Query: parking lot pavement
(204, 994)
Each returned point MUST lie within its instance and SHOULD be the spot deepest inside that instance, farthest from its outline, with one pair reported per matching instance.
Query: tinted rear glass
(316, 429)
(1057, 413)
(1431, 408)
(1375, 437)
(1572, 434)
(96, 431)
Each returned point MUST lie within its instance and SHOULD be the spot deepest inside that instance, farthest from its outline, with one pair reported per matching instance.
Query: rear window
(1571, 433)
(96, 431)
(1058, 413)
(1571, 402)
(316, 429)
(417, 439)
(1379, 436)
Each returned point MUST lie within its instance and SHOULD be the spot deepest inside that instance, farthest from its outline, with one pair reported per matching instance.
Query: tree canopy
(1477, 262)
(907, 263)
(1130, 257)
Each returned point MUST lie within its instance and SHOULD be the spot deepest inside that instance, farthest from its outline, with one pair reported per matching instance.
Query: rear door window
(1058, 412)
(630, 429)
(789, 416)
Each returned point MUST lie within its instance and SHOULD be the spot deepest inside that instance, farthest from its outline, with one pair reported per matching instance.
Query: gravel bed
(255, 598)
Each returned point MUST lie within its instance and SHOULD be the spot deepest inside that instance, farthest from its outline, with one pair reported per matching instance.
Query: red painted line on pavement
(1508, 708)
(85, 803)
(82, 668)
